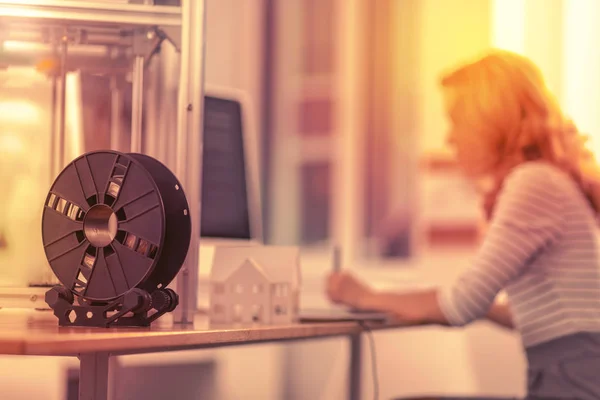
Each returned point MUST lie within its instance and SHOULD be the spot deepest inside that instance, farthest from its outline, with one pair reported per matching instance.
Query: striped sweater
(542, 249)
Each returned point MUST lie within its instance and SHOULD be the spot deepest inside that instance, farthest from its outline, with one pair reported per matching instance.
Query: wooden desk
(37, 333)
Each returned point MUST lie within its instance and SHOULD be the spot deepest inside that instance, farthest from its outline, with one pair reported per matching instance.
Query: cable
(372, 350)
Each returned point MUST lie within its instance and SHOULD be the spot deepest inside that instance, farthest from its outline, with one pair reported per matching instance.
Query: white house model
(255, 285)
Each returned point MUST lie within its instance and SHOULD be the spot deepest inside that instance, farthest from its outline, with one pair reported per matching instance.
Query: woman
(541, 247)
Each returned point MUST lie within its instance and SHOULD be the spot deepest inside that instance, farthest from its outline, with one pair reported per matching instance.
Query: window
(319, 37)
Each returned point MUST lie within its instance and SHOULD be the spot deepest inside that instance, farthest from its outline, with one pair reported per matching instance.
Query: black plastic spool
(113, 222)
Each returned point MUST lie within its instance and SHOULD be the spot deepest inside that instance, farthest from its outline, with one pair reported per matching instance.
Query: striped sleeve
(527, 218)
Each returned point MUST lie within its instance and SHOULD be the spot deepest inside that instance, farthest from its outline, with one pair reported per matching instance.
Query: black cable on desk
(375, 376)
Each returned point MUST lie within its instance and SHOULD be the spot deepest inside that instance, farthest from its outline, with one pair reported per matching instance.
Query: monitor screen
(225, 206)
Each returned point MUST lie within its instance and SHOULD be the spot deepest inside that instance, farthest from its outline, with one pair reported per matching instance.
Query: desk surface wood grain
(28, 332)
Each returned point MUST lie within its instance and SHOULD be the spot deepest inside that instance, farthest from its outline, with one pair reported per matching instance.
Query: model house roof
(249, 268)
(277, 263)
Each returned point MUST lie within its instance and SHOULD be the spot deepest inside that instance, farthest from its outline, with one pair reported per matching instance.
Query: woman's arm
(412, 308)
(528, 217)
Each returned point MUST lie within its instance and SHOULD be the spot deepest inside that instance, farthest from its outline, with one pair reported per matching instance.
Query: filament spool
(114, 222)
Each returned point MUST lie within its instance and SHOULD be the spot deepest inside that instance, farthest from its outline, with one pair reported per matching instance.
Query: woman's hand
(343, 288)
(501, 314)
(410, 308)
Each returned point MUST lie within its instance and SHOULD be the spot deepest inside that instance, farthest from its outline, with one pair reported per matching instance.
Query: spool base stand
(136, 308)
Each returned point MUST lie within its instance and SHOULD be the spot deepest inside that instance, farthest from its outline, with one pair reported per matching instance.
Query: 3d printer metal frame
(86, 13)
(184, 26)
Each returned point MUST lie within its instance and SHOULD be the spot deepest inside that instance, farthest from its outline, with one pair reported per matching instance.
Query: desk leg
(93, 376)
(355, 376)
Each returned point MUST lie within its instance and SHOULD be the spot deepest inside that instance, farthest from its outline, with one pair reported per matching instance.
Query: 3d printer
(79, 76)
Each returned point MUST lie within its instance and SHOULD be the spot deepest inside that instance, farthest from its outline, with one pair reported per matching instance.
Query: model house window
(218, 309)
(239, 288)
(256, 289)
(237, 313)
(219, 288)
(280, 289)
(280, 310)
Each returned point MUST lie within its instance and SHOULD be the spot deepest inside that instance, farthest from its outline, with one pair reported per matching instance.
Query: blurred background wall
(346, 106)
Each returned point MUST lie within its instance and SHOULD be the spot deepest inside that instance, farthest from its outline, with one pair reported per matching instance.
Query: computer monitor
(230, 192)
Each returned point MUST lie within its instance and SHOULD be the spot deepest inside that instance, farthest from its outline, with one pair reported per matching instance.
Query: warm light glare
(508, 25)
(581, 74)
(19, 112)
(11, 144)
(14, 45)
(73, 116)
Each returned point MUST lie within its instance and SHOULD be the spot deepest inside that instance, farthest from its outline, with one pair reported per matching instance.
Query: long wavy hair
(500, 106)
